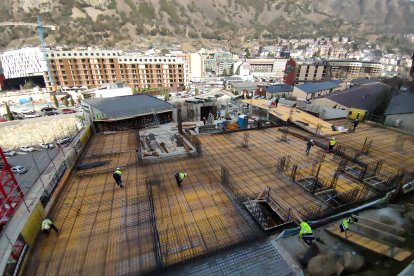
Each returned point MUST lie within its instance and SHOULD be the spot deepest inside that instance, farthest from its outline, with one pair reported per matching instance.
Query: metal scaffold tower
(10, 193)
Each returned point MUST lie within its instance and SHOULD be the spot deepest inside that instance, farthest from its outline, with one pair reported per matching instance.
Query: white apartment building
(267, 68)
(26, 62)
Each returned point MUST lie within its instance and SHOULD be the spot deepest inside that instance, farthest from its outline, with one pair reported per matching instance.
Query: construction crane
(40, 27)
(43, 49)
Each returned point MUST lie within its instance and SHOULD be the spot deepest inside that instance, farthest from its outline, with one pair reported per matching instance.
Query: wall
(299, 94)
(326, 112)
(33, 223)
(407, 121)
(35, 131)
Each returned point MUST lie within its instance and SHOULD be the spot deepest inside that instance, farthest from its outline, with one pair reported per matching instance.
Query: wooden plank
(373, 245)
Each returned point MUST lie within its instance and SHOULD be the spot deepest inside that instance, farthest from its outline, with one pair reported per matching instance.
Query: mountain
(109, 23)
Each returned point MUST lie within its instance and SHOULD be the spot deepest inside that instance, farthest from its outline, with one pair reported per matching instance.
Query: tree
(226, 72)
(196, 92)
(164, 51)
(79, 99)
(55, 100)
(248, 54)
(65, 101)
(9, 114)
(72, 102)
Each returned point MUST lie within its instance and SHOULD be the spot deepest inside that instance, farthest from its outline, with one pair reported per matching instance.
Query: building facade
(92, 68)
(268, 68)
(350, 69)
(219, 62)
(26, 62)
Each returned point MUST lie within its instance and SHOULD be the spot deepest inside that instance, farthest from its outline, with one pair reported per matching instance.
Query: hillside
(130, 23)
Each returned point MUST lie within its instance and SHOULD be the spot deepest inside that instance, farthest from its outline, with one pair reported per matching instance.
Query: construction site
(245, 193)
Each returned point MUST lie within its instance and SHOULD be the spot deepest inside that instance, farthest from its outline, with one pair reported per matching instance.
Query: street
(35, 162)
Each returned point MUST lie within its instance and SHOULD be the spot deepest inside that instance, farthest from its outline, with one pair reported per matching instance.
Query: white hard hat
(118, 168)
(185, 174)
(333, 138)
(46, 227)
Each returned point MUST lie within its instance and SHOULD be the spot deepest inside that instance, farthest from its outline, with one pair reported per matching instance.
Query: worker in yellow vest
(306, 233)
(47, 224)
(332, 144)
(179, 177)
(117, 176)
(346, 222)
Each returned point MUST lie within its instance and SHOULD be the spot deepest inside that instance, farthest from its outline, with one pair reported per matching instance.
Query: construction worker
(332, 144)
(117, 176)
(309, 145)
(345, 223)
(179, 177)
(46, 225)
(356, 122)
(306, 233)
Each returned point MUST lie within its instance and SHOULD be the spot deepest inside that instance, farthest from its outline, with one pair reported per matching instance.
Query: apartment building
(26, 62)
(267, 68)
(306, 70)
(350, 69)
(92, 68)
(218, 62)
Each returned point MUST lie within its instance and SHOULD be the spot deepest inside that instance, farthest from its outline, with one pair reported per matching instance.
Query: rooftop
(128, 106)
(364, 97)
(401, 104)
(318, 86)
(279, 88)
(363, 81)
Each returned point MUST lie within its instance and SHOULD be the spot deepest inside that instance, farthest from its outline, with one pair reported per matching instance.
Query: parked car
(47, 146)
(64, 141)
(28, 111)
(35, 115)
(48, 108)
(9, 153)
(19, 169)
(27, 148)
(68, 111)
(51, 113)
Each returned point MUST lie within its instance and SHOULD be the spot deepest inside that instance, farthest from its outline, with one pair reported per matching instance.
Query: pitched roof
(318, 86)
(364, 97)
(363, 81)
(401, 104)
(278, 88)
(128, 106)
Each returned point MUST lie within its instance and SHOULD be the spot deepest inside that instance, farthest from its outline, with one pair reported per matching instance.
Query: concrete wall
(327, 112)
(35, 131)
(406, 123)
(299, 94)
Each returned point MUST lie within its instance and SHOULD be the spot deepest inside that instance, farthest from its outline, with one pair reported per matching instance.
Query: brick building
(92, 68)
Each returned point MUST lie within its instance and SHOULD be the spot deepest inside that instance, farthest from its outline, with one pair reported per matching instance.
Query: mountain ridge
(109, 22)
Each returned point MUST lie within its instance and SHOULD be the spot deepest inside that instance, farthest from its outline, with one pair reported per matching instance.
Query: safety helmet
(47, 227)
(185, 174)
(333, 138)
(118, 168)
(311, 140)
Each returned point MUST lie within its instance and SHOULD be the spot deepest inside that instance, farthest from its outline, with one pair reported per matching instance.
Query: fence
(21, 230)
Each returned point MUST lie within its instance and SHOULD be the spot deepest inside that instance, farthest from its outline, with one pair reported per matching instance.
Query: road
(36, 162)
